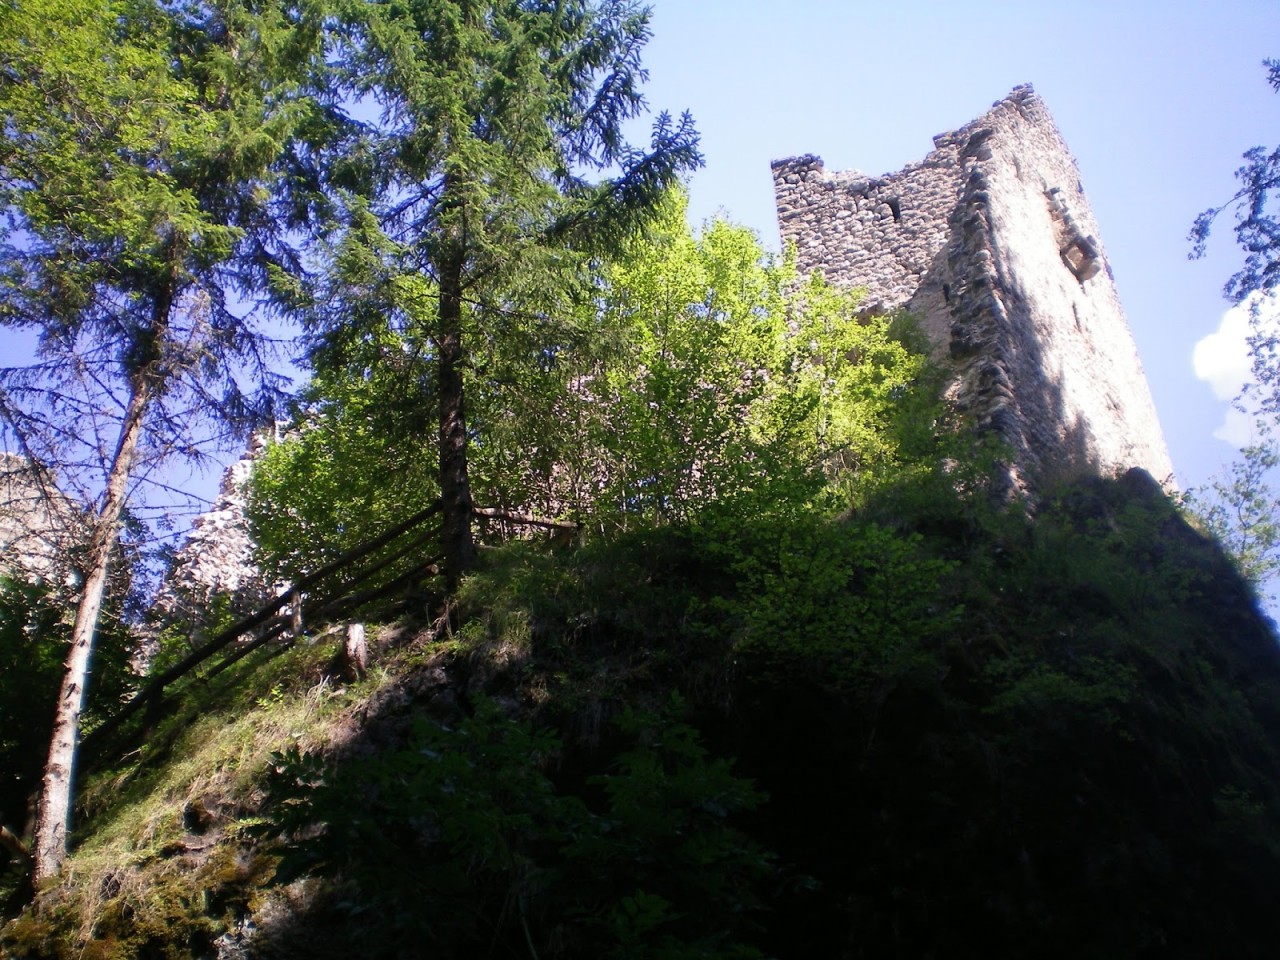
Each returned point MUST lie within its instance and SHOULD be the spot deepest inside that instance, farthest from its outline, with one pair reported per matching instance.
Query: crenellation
(990, 241)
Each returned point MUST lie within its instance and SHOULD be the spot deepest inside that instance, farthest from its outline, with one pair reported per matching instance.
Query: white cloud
(1222, 361)
(1236, 428)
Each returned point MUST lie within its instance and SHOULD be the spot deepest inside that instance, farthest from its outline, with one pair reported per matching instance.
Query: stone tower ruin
(990, 242)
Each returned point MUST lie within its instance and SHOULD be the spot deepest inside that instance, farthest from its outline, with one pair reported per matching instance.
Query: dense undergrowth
(933, 727)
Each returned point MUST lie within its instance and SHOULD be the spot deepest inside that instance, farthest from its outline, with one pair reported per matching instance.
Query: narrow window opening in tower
(978, 146)
(895, 207)
(946, 293)
(1079, 252)
(1081, 255)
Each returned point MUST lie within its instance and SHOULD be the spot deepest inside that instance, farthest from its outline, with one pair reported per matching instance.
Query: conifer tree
(470, 204)
(143, 144)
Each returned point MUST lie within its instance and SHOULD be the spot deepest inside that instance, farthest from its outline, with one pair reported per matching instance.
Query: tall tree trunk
(53, 814)
(457, 544)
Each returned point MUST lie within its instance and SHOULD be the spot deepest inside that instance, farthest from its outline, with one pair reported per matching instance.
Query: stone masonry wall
(991, 243)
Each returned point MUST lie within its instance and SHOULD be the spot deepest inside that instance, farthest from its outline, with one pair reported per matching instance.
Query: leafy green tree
(143, 145)
(696, 378)
(1239, 507)
(355, 464)
(1257, 226)
(468, 205)
(731, 384)
(656, 408)
(1243, 512)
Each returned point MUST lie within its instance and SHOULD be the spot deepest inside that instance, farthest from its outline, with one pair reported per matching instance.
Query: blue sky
(1156, 100)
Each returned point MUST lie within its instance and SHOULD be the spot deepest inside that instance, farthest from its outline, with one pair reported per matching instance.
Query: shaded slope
(969, 734)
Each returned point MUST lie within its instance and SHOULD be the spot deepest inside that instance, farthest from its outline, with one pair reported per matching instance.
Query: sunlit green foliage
(698, 376)
(732, 384)
(63, 169)
(718, 380)
(353, 467)
(1240, 508)
(860, 605)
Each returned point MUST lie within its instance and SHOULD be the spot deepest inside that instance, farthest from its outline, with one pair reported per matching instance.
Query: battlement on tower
(990, 241)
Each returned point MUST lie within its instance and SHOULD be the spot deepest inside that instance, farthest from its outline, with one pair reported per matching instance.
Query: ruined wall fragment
(217, 558)
(42, 531)
(990, 241)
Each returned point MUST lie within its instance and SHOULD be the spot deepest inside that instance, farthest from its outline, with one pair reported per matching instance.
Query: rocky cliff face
(990, 241)
(217, 557)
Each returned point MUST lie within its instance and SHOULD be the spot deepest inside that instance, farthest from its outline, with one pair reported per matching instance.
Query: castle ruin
(42, 531)
(990, 242)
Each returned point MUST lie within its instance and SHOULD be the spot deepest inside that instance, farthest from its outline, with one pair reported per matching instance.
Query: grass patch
(165, 865)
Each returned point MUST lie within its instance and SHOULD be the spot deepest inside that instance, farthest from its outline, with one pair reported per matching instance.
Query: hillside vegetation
(695, 627)
(932, 726)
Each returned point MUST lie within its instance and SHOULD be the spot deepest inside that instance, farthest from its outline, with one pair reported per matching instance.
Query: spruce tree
(145, 144)
(471, 202)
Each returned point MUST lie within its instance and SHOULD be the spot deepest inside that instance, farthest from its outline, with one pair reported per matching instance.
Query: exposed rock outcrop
(217, 557)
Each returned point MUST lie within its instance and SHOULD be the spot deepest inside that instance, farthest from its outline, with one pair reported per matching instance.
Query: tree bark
(355, 653)
(53, 814)
(456, 539)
